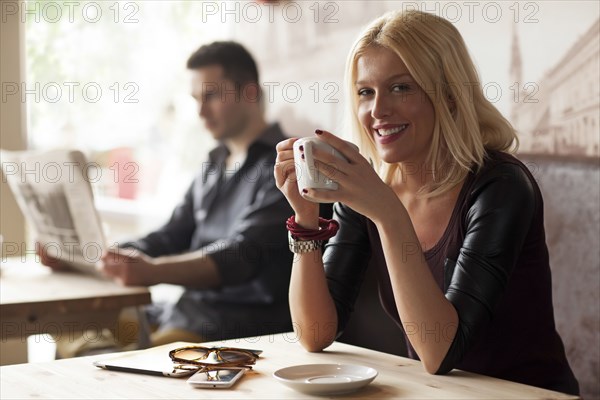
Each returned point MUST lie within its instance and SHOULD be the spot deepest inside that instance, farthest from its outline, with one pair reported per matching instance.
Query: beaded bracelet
(327, 229)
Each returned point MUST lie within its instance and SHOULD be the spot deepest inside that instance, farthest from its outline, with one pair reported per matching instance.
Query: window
(109, 78)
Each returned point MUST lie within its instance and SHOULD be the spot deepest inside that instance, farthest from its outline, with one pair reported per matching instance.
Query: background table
(398, 377)
(35, 300)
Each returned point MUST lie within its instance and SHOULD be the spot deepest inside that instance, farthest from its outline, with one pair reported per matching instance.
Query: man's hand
(53, 263)
(129, 267)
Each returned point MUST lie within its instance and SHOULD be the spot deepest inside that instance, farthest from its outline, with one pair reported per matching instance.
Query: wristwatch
(303, 246)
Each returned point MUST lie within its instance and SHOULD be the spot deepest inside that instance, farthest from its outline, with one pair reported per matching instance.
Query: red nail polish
(301, 148)
(302, 156)
(318, 131)
(304, 191)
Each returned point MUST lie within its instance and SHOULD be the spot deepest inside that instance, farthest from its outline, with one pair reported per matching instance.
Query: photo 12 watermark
(71, 92)
(91, 12)
(69, 172)
(252, 12)
(477, 11)
(271, 92)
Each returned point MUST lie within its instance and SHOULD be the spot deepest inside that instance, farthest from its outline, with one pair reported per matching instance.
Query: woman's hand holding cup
(307, 212)
(305, 169)
(309, 176)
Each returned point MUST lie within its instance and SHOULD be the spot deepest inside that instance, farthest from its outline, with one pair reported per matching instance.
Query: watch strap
(303, 246)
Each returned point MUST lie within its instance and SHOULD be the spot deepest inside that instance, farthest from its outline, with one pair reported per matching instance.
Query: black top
(237, 217)
(492, 265)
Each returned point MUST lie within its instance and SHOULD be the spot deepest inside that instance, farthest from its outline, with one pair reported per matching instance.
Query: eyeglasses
(210, 358)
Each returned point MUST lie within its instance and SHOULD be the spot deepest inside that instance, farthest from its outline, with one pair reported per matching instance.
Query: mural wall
(560, 114)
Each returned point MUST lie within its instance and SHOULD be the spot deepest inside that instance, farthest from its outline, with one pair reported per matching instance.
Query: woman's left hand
(359, 186)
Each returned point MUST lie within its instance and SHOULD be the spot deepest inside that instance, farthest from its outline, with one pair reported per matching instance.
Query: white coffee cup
(307, 175)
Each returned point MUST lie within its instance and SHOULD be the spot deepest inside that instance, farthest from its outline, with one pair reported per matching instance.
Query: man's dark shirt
(237, 217)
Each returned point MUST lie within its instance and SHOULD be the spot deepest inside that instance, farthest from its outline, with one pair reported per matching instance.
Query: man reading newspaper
(225, 242)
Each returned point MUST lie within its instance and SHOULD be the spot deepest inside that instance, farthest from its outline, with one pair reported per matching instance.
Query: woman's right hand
(307, 212)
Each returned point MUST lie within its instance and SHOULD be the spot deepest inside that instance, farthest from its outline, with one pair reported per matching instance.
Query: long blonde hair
(466, 123)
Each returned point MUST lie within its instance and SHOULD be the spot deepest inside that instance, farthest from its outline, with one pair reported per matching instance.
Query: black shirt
(237, 217)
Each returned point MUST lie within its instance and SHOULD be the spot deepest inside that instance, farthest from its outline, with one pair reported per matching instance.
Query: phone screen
(221, 378)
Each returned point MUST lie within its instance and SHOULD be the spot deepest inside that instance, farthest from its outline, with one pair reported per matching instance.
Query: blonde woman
(451, 221)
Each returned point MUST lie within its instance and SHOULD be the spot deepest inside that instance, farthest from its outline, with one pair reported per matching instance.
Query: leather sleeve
(345, 259)
(502, 203)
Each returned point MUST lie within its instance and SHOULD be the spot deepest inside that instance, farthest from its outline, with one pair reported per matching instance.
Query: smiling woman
(383, 84)
(451, 222)
(461, 109)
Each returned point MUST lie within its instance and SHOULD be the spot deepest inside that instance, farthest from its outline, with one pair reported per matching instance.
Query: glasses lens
(214, 356)
(191, 354)
(234, 356)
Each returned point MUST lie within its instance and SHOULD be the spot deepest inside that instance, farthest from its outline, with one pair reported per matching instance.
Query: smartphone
(144, 362)
(216, 379)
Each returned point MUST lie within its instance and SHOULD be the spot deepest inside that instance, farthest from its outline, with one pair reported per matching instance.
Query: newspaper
(54, 193)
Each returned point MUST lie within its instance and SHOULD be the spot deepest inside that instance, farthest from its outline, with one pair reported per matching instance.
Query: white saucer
(325, 379)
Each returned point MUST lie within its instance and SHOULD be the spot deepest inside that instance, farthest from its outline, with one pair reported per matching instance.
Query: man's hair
(238, 64)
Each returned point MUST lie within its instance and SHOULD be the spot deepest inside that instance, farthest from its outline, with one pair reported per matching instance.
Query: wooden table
(35, 300)
(398, 377)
